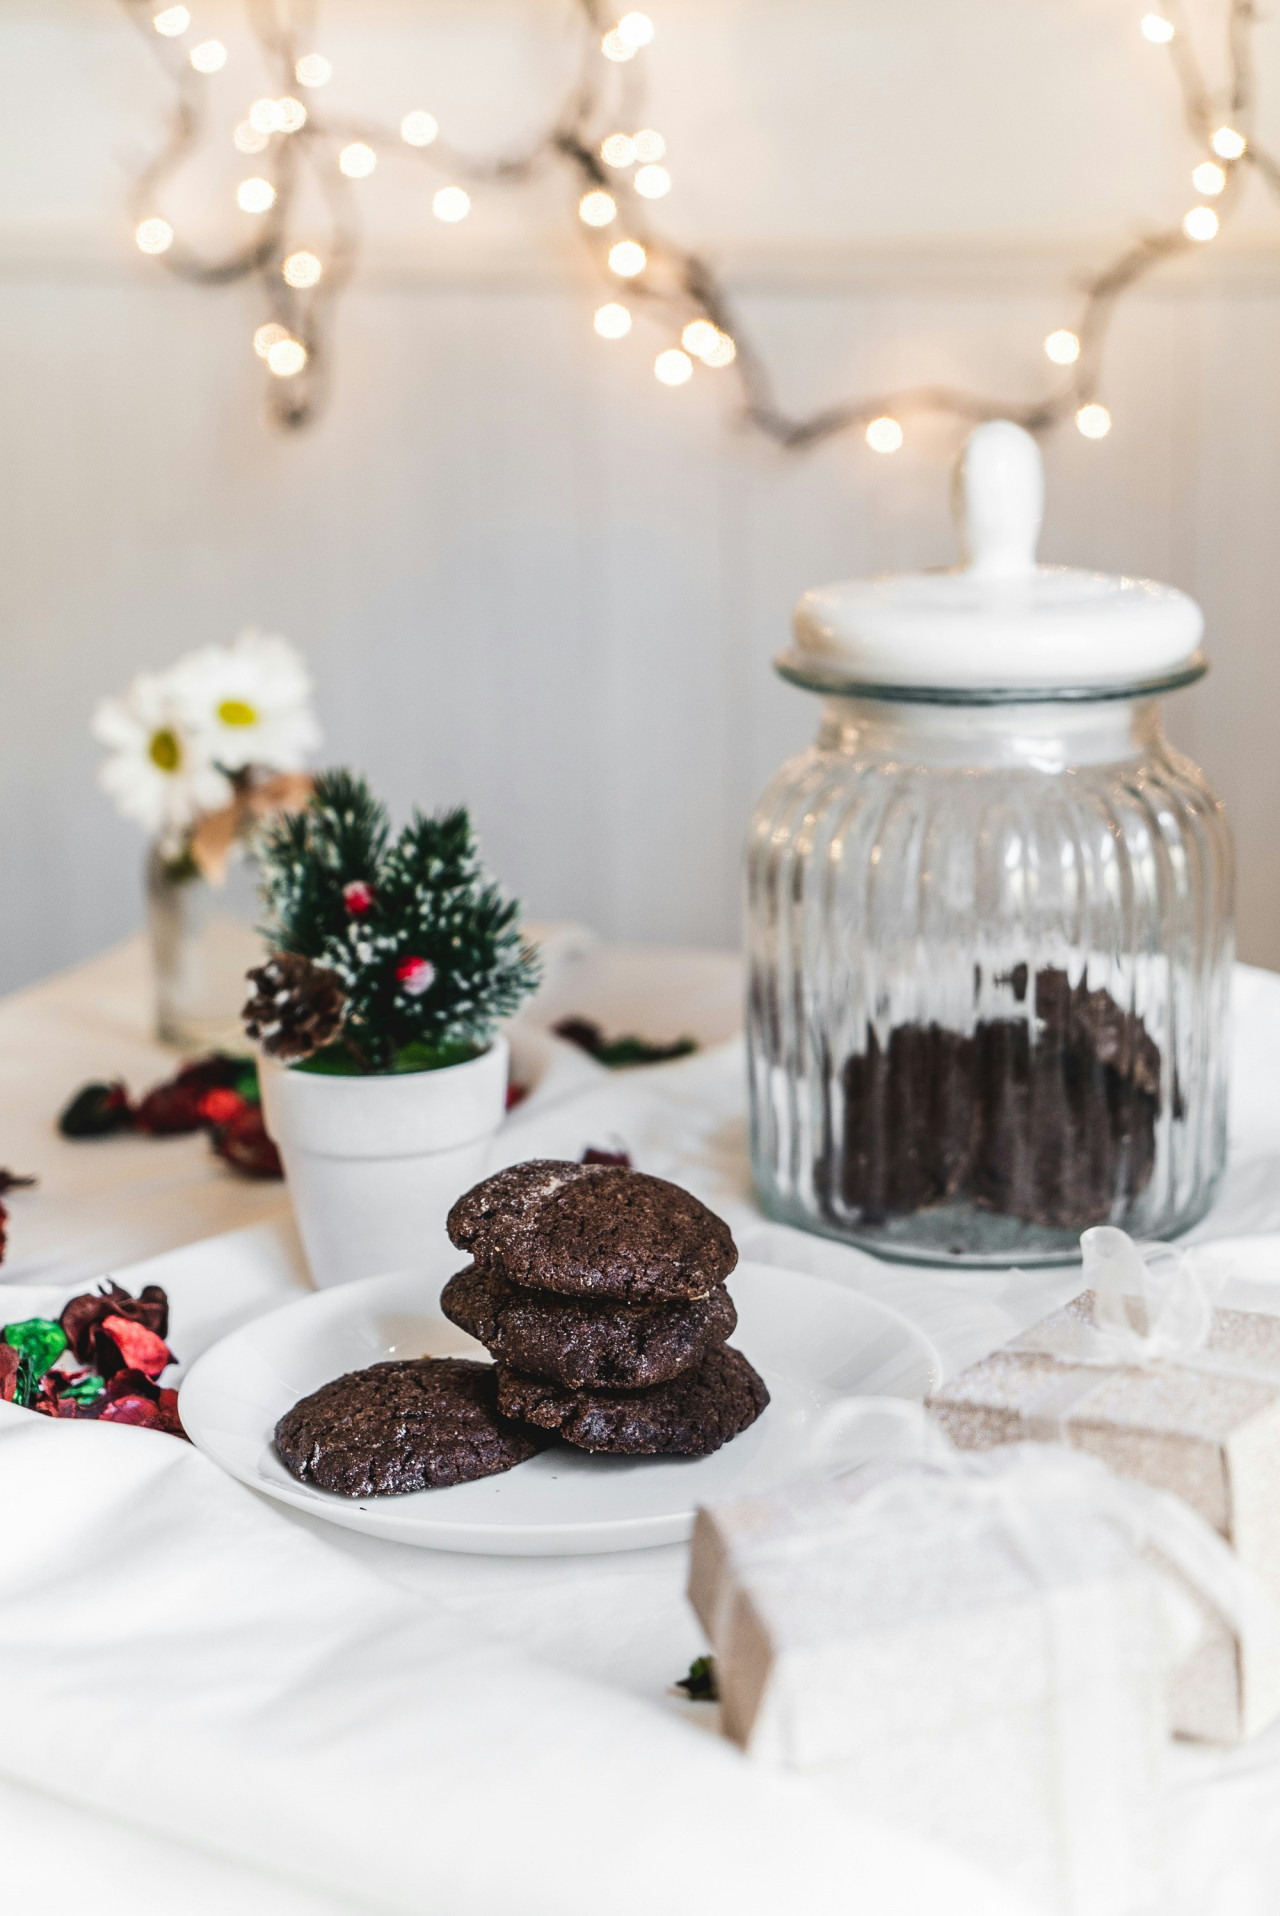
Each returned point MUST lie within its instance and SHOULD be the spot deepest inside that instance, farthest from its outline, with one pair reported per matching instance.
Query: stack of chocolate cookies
(600, 1293)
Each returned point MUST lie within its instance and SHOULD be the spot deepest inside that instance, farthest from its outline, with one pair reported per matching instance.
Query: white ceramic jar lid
(1002, 625)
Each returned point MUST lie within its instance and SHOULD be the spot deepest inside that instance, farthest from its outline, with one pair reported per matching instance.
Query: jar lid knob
(1000, 500)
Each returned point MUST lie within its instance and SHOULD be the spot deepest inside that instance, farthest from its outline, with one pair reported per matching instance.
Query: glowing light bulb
(291, 115)
(418, 128)
(313, 70)
(1201, 223)
(171, 21)
(1227, 143)
(1094, 421)
(649, 145)
(255, 196)
(249, 139)
(1157, 29)
(614, 47)
(302, 271)
(209, 57)
(627, 259)
(673, 368)
(1208, 178)
(651, 182)
(618, 150)
(612, 321)
(154, 236)
(597, 209)
(884, 434)
(698, 336)
(262, 116)
(451, 204)
(268, 336)
(286, 358)
(720, 353)
(1062, 347)
(636, 29)
(357, 161)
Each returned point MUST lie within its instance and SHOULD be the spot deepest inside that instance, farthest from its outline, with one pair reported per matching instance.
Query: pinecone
(296, 1007)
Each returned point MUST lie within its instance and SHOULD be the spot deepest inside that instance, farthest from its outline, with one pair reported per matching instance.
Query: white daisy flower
(159, 774)
(249, 703)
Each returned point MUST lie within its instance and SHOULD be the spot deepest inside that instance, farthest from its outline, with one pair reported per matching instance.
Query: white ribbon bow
(1175, 1289)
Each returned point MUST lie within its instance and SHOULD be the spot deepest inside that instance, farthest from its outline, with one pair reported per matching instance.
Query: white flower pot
(373, 1164)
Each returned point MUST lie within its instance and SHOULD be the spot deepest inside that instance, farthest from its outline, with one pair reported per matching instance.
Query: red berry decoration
(357, 897)
(416, 975)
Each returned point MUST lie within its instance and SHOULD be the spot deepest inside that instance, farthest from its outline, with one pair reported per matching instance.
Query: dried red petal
(9, 1361)
(83, 1313)
(516, 1094)
(105, 1354)
(220, 1105)
(594, 1156)
(132, 1383)
(130, 1410)
(246, 1145)
(169, 1419)
(140, 1348)
(216, 1068)
(171, 1108)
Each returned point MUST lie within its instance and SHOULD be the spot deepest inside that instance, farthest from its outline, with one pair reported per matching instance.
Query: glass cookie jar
(990, 910)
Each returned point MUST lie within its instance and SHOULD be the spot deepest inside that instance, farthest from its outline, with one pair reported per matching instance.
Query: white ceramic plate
(810, 1340)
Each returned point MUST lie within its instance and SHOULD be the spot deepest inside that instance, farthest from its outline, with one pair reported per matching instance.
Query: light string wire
(299, 143)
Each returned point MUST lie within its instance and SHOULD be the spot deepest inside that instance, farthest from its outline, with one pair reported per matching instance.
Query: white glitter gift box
(977, 1653)
(1143, 1372)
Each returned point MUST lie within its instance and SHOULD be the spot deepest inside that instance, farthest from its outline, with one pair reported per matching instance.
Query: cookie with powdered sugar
(595, 1231)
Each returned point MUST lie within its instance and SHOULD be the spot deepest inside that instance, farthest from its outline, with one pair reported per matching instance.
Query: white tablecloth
(621, 1620)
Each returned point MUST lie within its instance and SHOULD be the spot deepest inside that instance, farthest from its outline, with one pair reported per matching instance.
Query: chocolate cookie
(396, 1427)
(492, 1211)
(589, 1230)
(689, 1417)
(576, 1342)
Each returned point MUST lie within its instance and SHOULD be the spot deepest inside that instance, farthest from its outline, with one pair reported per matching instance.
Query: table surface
(107, 1204)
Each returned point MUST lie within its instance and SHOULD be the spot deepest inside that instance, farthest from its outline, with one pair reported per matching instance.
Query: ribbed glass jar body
(989, 954)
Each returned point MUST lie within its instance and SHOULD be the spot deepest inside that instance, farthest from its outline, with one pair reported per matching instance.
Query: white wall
(527, 576)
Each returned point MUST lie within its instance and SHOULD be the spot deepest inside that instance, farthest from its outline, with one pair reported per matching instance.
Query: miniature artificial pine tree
(427, 953)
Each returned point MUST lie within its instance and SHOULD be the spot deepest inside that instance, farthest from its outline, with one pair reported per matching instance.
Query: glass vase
(202, 944)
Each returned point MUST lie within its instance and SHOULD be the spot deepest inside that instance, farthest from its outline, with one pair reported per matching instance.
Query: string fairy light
(884, 434)
(1062, 347)
(597, 208)
(154, 236)
(313, 70)
(419, 128)
(617, 176)
(1208, 178)
(627, 259)
(255, 195)
(209, 57)
(673, 367)
(451, 204)
(613, 321)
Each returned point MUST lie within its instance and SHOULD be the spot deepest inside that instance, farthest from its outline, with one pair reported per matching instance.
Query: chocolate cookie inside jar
(989, 911)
